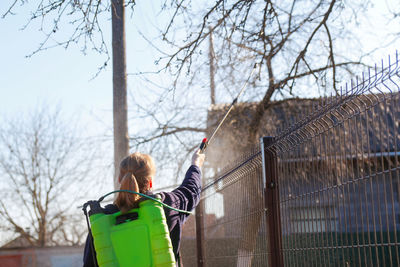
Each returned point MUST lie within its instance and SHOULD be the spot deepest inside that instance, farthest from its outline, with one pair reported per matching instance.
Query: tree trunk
(120, 105)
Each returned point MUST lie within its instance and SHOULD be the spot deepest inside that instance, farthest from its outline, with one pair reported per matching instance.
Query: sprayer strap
(146, 196)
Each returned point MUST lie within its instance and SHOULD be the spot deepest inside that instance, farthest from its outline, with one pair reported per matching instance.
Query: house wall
(362, 205)
(42, 257)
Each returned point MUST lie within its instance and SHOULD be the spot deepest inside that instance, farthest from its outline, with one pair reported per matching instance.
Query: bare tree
(291, 40)
(42, 163)
(298, 45)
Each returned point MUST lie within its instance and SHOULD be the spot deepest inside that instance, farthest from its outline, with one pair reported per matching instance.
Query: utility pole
(120, 105)
(211, 56)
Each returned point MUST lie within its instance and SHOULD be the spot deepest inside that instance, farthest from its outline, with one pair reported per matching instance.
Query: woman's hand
(198, 158)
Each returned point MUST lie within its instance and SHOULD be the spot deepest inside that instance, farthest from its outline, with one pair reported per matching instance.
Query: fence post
(200, 234)
(272, 207)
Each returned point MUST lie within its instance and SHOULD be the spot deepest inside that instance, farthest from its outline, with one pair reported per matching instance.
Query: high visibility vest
(138, 238)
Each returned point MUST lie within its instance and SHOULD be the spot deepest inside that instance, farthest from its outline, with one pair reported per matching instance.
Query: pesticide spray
(206, 141)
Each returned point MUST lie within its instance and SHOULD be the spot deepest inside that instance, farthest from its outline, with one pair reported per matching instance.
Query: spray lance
(206, 141)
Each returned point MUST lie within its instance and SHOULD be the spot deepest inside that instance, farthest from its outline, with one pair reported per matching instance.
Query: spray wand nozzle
(205, 142)
(203, 145)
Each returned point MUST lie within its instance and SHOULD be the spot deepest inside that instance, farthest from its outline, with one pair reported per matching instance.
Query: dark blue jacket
(185, 197)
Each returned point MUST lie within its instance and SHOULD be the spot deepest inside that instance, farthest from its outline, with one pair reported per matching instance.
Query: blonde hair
(135, 173)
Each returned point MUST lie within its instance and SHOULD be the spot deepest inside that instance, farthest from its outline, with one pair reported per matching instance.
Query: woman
(136, 173)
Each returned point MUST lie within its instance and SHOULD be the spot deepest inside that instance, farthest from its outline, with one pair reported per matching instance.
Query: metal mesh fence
(339, 179)
(235, 235)
(323, 192)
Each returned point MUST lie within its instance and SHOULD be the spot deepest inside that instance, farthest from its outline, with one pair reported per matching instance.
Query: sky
(54, 75)
(59, 75)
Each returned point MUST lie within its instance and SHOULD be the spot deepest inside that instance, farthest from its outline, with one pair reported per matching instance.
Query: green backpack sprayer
(139, 237)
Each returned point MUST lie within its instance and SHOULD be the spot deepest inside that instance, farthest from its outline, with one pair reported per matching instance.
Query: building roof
(18, 242)
(367, 123)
